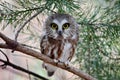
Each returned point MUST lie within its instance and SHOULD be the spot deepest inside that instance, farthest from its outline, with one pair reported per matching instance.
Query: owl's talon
(67, 64)
(67, 67)
(56, 61)
(60, 61)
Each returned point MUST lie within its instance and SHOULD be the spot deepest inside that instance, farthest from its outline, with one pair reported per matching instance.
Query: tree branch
(33, 16)
(8, 63)
(97, 24)
(42, 57)
(21, 69)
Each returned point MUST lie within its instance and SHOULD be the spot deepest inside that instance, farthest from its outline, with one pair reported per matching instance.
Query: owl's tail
(50, 69)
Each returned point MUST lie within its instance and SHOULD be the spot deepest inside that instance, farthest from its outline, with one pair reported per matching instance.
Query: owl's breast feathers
(58, 49)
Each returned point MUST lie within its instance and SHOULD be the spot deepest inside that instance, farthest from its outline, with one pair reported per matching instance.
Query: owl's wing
(44, 45)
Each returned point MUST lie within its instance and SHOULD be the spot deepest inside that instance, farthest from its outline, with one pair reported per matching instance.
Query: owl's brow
(60, 23)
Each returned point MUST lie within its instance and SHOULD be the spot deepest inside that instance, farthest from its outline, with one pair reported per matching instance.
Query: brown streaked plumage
(60, 39)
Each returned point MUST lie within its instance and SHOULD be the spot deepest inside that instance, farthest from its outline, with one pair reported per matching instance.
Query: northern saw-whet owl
(59, 40)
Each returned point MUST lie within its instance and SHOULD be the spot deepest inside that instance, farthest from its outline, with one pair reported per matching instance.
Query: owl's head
(61, 26)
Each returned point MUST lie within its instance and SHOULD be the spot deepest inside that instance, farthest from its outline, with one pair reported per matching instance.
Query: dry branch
(27, 21)
(25, 24)
(18, 47)
(21, 69)
(8, 63)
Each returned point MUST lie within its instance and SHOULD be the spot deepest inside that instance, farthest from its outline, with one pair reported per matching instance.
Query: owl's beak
(60, 33)
(60, 36)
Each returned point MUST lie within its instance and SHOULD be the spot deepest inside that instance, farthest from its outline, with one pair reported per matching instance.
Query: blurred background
(98, 50)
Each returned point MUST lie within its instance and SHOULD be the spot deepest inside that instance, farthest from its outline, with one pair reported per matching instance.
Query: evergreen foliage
(98, 51)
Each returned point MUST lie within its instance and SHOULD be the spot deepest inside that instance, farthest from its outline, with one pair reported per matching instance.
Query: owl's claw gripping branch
(66, 64)
(56, 61)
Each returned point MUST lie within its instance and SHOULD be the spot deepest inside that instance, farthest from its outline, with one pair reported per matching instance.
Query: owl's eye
(66, 26)
(54, 26)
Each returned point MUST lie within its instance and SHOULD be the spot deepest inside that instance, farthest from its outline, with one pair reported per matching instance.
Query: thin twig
(16, 35)
(4, 55)
(4, 65)
(28, 69)
(22, 69)
(114, 58)
(97, 24)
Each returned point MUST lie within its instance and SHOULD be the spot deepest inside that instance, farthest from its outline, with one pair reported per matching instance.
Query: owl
(59, 39)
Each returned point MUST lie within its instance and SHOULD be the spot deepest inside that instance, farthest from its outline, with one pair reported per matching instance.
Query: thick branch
(42, 57)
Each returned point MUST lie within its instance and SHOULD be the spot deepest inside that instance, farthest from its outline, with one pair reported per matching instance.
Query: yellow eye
(54, 26)
(66, 26)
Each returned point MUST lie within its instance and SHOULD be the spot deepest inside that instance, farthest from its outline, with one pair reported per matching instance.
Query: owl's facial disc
(64, 27)
(60, 28)
(54, 26)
